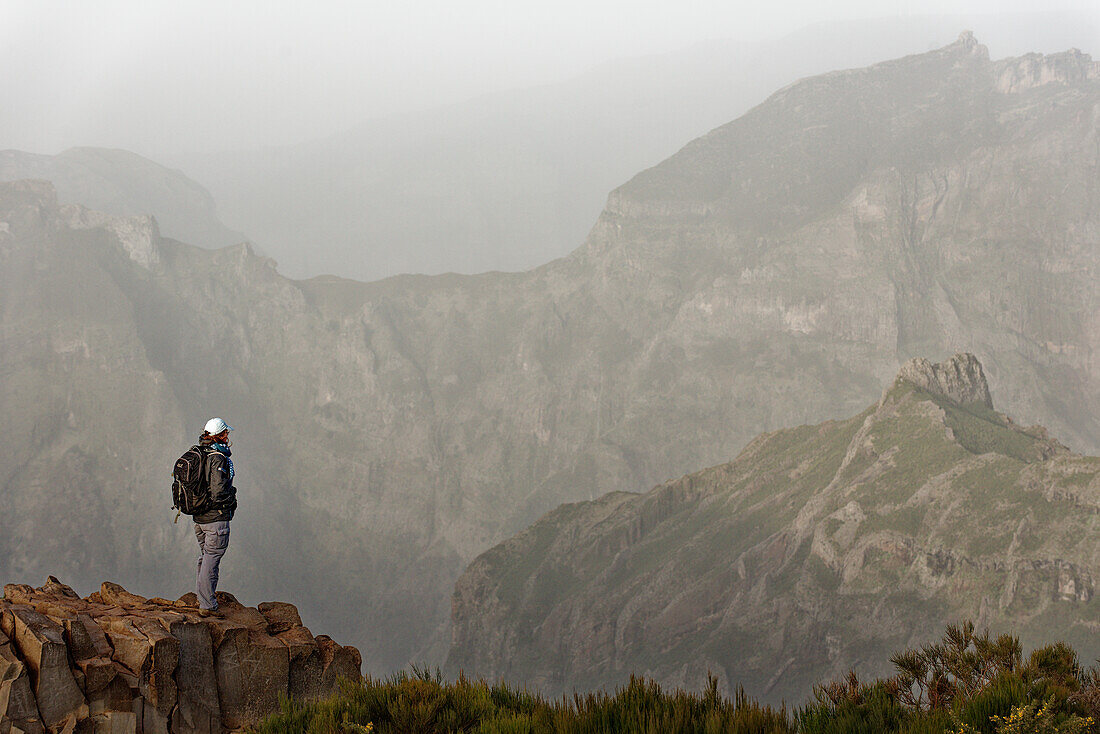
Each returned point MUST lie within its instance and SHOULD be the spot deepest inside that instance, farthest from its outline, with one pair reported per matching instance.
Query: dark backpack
(191, 490)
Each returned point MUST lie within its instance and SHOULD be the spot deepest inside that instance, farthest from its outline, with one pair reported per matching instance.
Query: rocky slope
(117, 662)
(125, 184)
(819, 549)
(774, 272)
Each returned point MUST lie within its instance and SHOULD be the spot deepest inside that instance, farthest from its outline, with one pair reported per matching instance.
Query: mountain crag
(118, 663)
(959, 379)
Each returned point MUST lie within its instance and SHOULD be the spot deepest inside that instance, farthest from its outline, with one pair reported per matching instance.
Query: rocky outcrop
(1035, 70)
(126, 185)
(959, 379)
(118, 663)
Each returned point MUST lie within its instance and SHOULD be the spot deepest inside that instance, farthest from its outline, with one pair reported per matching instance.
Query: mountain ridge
(515, 179)
(119, 662)
(122, 183)
(813, 550)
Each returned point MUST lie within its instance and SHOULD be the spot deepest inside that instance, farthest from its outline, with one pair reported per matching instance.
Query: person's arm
(221, 488)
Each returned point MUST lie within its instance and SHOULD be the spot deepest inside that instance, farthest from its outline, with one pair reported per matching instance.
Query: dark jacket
(223, 495)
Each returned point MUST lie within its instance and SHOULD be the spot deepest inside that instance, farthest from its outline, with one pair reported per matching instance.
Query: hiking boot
(210, 613)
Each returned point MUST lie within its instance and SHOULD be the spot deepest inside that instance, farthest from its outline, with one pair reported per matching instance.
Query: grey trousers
(213, 540)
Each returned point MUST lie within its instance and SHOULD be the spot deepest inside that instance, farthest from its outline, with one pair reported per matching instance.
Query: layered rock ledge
(118, 663)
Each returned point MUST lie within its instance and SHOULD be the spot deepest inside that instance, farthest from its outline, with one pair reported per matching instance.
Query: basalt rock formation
(118, 663)
(819, 549)
(774, 272)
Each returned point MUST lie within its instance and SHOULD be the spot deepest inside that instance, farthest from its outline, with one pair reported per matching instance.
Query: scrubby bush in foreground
(969, 683)
(965, 684)
(420, 703)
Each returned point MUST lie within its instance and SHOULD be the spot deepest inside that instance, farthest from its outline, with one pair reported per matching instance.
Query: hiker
(212, 524)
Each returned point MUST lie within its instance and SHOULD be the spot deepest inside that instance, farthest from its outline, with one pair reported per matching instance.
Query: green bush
(1003, 694)
(421, 703)
(1033, 718)
(864, 710)
(968, 683)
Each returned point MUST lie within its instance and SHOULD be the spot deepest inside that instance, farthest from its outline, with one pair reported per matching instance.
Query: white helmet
(214, 426)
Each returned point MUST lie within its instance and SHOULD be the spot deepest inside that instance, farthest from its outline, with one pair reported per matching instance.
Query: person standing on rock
(212, 525)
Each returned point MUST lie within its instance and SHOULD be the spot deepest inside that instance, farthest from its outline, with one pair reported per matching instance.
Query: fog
(162, 78)
(369, 140)
(391, 432)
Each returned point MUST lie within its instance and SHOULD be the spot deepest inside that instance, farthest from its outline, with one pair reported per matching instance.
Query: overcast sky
(171, 76)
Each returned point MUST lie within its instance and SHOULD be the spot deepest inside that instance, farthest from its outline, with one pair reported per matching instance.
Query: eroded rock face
(959, 379)
(117, 662)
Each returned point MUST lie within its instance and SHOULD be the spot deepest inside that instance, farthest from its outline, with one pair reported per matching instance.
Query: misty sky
(177, 76)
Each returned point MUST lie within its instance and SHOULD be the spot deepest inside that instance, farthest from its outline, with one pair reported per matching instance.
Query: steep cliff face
(120, 663)
(125, 184)
(774, 272)
(818, 550)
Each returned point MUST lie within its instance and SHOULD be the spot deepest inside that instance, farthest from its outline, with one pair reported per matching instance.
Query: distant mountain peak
(967, 40)
(1035, 70)
(121, 183)
(959, 379)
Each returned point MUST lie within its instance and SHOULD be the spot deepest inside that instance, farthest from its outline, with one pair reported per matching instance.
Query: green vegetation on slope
(424, 704)
(981, 430)
(969, 683)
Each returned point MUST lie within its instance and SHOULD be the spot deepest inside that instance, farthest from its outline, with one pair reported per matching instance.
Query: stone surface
(115, 722)
(54, 587)
(149, 719)
(198, 709)
(17, 705)
(158, 685)
(40, 643)
(131, 647)
(253, 670)
(307, 664)
(237, 613)
(280, 616)
(98, 674)
(117, 695)
(86, 638)
(111, 593)
(337, 661)
(152, 666)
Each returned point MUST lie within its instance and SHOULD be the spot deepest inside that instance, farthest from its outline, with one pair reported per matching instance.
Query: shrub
(422, 703)
(977, 713)
(968, 683)
(959, 666)
(852, 708)
(1033, 718)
